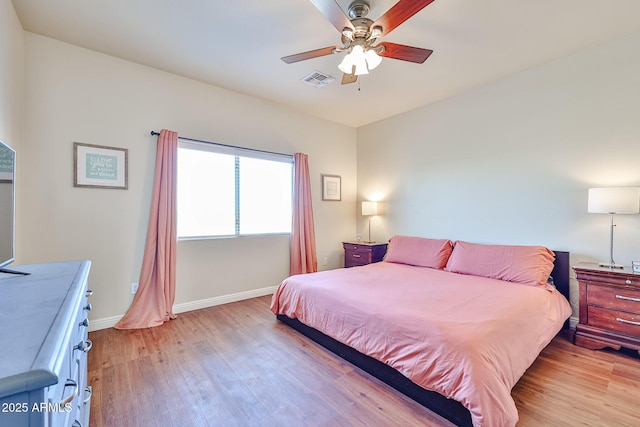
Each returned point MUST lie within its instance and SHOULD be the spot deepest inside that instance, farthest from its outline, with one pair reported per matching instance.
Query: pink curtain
(303, 237)
(153, 303)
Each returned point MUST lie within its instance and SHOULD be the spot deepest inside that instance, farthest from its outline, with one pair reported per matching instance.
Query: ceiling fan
(359, 35)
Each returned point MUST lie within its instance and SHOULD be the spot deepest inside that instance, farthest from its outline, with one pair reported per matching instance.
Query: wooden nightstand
(360, 253)
(609, 307)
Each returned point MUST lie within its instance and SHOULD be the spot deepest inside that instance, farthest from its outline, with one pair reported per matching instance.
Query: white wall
(76, 95)
(510, 162)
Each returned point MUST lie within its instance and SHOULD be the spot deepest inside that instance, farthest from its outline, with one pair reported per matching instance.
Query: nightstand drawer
(356, 253)
(362, 251)
(618, 321)
(357, 248)
(356, 258)
(614, 298)
(611, 279)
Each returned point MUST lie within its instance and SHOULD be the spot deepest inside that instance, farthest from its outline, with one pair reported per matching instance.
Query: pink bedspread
(468, 338)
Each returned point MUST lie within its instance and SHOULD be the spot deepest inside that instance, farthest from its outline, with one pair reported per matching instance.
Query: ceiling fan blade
(399, 13)
(405, 53)
(334, 13)
(308, 55)
(349, 78)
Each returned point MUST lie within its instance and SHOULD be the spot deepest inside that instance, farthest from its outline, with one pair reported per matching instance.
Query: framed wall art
(99, 166)
(331, 187)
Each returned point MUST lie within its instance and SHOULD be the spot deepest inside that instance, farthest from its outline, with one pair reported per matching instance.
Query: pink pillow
(417, 251)
(529, 265)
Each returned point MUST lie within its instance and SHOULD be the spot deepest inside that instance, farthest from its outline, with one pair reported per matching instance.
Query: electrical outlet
(134, 288)
(324, 261)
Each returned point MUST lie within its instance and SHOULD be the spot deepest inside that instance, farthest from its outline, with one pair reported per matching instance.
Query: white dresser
(43, 346)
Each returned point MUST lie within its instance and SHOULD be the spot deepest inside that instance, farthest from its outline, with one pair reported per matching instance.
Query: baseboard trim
(104, 323)
(224, 299)
(573, 321)
(110, 322)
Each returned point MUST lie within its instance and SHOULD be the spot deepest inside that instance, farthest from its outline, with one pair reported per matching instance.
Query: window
(226, 191)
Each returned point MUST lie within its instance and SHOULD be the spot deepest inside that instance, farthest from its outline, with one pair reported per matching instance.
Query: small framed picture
(99, 166)
(331, 187)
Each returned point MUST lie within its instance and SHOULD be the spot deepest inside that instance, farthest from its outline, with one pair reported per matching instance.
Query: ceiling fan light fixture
(346, 66)
(356, 58)
(361, 68)
(357, 53)
(373, 59)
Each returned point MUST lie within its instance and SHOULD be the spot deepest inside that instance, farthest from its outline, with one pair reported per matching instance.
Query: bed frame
(450, 409)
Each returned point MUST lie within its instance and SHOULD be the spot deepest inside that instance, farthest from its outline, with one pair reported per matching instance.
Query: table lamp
(613, 200)
(369, 209)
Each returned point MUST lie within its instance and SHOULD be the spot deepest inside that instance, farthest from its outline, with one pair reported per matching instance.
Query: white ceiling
(238, 44)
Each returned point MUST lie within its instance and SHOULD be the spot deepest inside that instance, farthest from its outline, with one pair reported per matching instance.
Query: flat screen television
(7, 205)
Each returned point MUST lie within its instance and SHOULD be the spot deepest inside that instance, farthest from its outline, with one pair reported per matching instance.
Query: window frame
(237, 152)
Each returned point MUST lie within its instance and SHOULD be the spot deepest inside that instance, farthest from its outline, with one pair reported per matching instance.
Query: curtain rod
(154, 133)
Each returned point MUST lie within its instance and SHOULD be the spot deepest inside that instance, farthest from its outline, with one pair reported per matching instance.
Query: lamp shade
(373, 59)
(346, 66)
(361, 60)
(614, 200)
(369, 208)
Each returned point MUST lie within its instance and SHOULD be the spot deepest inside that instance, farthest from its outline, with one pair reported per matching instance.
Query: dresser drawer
(614, 320)
(61, 398)
(80, 346)
(614, 298)
(66, 398)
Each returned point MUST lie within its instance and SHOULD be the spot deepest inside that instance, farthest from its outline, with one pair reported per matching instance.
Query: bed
(452, 325)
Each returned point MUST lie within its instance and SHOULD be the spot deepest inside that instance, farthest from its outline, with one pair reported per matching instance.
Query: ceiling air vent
(318, 79)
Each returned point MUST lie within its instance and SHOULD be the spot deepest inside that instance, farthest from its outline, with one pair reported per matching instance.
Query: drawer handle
(89, 293)
(356, 256)
(69, 383)
(628, 282)
(88, 390)
(84, 323)
(87, 307)
(631, 322)
(628, 298)
(85, 345)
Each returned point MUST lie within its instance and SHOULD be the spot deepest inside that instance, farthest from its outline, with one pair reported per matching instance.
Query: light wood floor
(236, 365)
